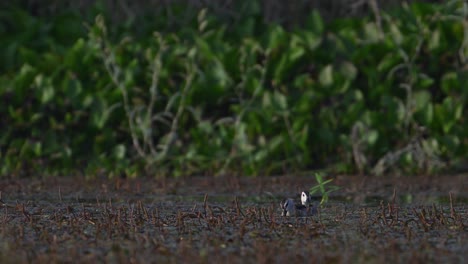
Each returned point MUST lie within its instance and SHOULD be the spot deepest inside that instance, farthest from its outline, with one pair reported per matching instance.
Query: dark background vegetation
(232, 87)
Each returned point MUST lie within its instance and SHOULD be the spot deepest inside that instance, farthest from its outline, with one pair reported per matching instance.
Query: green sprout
(323, 187)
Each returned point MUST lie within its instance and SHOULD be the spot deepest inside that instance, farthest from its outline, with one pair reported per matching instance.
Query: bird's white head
(305, 198)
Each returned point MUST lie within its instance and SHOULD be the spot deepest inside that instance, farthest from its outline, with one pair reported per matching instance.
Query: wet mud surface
(232, 219)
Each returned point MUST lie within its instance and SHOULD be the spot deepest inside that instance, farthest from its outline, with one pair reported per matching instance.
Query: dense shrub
(368, 95)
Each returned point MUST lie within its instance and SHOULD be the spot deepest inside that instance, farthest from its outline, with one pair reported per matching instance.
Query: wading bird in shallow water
(305, 208)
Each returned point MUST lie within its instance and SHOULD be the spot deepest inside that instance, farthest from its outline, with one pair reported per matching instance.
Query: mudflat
(233, 219)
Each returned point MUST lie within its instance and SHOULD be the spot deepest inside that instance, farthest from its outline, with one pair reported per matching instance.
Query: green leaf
(221, 75)
(434, 41)
(280, 69)
(389, 63)
(266, 100)
(280, 101)
(295, 53)
(458, 111)
(204, 48)
(449, 82)
(421, 99)
(74, 56)
(45, 88)
(312, 40)
(275, 38)
(326, 76)
(202, 21)
(372, 137)
(371, 31)
(395, 109)
(24, 78)
(425, 81)
(119, 151)
(348, 70)
(315, 23)
(37, 148)
(396, 33)
(428, 113)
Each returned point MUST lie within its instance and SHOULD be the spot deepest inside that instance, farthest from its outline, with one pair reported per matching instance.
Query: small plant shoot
(323, 187)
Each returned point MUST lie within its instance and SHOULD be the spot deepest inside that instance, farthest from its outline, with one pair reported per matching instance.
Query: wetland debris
(87, 225)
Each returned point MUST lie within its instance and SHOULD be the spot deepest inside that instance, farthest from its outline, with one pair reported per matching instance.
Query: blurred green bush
(371, 95)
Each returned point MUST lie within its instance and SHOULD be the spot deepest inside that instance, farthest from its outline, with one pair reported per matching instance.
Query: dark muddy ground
(234, 220)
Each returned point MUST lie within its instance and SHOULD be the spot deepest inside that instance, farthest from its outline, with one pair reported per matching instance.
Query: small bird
(290, 208)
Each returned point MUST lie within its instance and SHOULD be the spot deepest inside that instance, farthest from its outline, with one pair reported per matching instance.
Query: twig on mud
(219, 208)
(242, 228)
(393, 209)
(452, 210)
(26, 214)
(180, 221)
(422, 219)
(204, 203)
(83, 211)
(144, 210)
(238, 209)
(382, 214)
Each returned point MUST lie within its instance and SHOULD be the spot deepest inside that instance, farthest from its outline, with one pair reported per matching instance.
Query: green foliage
(359, 95)
(323, 187)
